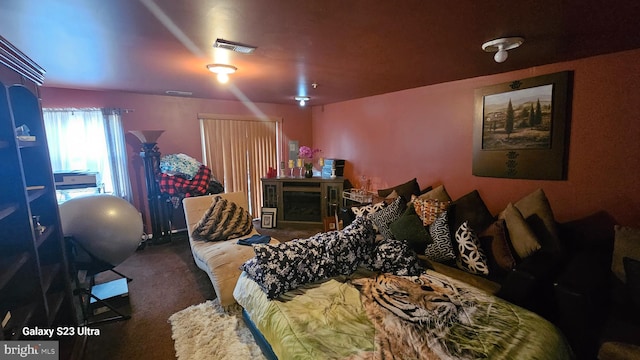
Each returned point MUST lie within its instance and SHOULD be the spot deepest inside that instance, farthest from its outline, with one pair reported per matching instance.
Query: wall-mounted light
(500, 46)
(222, 71)
(302, 99)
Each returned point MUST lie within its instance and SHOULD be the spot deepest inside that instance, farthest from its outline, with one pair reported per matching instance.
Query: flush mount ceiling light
(500, 46)
(302, 99)
(222, 70)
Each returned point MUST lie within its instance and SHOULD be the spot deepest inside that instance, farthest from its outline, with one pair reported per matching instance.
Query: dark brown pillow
(495, 241)
(471, 208)
(405, 190)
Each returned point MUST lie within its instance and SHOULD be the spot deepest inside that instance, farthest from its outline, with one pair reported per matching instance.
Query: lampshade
(147, 136)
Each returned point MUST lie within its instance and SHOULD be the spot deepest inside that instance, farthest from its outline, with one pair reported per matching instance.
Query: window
(90, 140)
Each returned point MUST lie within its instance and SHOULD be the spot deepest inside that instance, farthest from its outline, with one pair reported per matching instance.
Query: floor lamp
(159, 209)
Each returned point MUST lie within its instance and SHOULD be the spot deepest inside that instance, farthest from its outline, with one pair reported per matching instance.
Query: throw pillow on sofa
(437, 193)
(522, 238)
(404, 190)
(536, 210)
(470, 207)
(409, 228)
(395, 257)
(222, 221)
(441, 250)
(383, 218)
(495, 241)
(429, 209)
(471, 256)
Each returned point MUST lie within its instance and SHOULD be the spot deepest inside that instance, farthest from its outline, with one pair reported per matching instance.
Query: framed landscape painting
(521, 128)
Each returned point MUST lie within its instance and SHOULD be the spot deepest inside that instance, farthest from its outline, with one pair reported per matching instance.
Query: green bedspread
(380, 316)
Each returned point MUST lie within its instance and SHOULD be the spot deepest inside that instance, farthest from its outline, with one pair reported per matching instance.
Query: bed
(358, 294)
(373, 315)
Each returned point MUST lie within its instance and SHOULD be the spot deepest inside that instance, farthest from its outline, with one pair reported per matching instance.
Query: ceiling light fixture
(500, 46)
(302, 99)
(222, 70)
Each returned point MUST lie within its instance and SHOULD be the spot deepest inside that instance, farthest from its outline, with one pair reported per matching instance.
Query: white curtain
(117, 149)
(86, 140)
(239, 151)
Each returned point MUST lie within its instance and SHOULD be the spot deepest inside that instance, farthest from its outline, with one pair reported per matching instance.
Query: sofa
(598, 291)
(220, 259)
(522, 246)
(361, 292)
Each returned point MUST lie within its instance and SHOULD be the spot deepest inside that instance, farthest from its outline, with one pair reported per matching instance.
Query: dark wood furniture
(35, 287)
(302, 200)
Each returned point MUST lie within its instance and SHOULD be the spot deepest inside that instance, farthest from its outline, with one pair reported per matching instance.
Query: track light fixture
(500, 46)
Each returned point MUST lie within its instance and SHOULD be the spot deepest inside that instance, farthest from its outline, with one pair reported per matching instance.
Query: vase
(308, 173)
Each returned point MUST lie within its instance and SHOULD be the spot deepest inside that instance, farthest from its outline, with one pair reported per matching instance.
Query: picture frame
(268, 218)
(521, 128)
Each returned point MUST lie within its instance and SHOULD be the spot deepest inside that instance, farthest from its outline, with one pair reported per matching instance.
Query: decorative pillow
(441, 250)
(288, 265)
(367, 209)
(472, 257)
(409, 228)
(253, 270)
(626, 243)
(439, 193)
(632, 271)
(429, 209)
(522, 238)
(471, 208)
(395, 257)
(223, 220)
(535, 208)
(404, 190)
(495, 240)
(381, 219)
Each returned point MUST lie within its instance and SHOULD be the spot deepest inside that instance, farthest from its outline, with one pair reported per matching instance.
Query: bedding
(372, 315)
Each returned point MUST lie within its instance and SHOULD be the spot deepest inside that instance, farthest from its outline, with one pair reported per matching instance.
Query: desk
(302, 200)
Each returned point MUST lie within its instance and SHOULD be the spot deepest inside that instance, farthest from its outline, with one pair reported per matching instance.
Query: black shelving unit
(35, 286)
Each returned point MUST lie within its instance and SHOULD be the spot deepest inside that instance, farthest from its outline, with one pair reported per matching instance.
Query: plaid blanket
(177, 185)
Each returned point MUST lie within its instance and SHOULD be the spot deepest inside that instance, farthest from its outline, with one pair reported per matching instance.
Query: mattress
(369, 316)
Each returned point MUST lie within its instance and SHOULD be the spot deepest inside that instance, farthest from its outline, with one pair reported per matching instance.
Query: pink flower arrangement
(306, 152)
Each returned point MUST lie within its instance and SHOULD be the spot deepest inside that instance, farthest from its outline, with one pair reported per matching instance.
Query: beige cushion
(535, 208)
(439, 193)
(221, 260)
(522, 238)
(626, 244)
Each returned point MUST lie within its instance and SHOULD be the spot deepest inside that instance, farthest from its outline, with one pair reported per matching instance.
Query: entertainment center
(302, 200)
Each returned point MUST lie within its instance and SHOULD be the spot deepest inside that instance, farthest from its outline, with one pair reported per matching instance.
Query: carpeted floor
(165, 281)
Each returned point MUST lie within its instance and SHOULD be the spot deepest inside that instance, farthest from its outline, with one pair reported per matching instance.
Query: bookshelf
(35, 287)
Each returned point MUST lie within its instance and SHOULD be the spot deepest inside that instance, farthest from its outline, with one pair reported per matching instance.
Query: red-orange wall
(178, 116)
(427, 133)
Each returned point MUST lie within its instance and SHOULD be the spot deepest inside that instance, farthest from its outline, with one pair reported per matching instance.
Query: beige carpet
(206, 331)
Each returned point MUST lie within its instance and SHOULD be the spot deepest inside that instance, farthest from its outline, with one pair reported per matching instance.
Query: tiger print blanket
(432, 316)
(381, 316)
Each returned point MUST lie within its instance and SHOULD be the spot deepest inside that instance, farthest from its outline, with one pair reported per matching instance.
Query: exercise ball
(105, 226)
